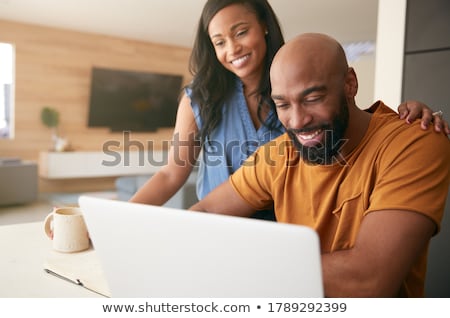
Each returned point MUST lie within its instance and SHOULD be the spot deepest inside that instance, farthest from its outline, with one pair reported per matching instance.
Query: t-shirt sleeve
(414, 176)
(253, 179)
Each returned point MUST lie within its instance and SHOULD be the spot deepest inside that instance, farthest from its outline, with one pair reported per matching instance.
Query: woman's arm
(182, 156)
(412, 110)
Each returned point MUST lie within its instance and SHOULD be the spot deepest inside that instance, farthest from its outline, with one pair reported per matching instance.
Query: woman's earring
(267, 32)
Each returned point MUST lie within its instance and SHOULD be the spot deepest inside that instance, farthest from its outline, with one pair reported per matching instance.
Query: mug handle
(47, 225)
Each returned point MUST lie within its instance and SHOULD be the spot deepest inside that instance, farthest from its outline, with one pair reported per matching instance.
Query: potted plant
(50, 118)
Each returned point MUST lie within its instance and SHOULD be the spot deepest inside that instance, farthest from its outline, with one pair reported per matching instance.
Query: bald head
(310, 52)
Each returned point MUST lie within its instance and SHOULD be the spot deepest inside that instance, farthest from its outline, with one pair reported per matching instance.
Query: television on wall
(133, 101)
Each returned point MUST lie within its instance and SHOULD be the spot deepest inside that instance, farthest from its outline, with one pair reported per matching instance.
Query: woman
(222, 111)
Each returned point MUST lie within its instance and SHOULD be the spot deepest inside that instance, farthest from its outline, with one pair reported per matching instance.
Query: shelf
(88, 164)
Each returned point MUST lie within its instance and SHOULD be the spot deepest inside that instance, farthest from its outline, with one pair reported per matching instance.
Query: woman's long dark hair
(212, 83)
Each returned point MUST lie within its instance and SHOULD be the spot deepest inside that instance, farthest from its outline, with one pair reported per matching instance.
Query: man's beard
(328, 151)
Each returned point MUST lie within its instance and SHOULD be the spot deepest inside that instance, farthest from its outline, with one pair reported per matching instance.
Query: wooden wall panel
(53, 67)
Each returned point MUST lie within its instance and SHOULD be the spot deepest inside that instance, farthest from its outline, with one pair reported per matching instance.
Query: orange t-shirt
(395, 167)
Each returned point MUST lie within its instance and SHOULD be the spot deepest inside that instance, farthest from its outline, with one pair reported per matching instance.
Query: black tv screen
(133, 101)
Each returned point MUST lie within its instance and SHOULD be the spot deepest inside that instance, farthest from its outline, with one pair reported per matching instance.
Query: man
(373, 188)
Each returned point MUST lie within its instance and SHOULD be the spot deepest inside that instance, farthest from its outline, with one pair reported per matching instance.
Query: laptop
(153, 251)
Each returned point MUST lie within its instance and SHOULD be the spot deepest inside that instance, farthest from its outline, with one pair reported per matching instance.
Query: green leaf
(50, 117)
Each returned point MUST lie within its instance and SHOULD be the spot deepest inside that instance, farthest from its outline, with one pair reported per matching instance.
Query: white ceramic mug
(67, 229)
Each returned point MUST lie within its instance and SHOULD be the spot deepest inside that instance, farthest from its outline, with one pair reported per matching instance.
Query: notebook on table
(152, 251)
(81, 268)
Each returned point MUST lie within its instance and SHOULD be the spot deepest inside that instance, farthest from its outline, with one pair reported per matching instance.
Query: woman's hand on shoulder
(412, 110)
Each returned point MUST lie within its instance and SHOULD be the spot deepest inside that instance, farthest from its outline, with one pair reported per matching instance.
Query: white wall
(365, 68)
(389, 51)
(380, 75)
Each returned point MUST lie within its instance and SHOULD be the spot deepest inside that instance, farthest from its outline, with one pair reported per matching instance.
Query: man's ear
(351, 83)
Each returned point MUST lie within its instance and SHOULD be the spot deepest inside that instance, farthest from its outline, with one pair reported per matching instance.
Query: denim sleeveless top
(232, 141)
